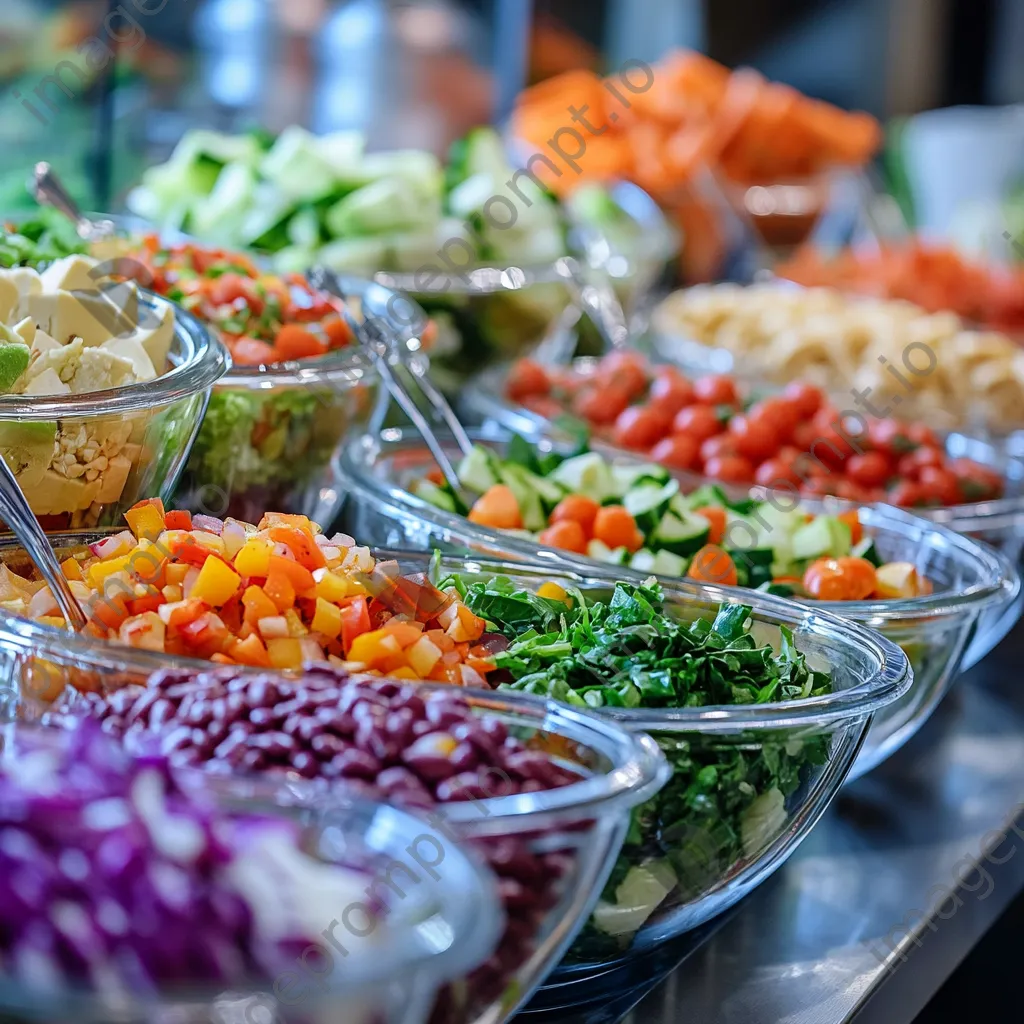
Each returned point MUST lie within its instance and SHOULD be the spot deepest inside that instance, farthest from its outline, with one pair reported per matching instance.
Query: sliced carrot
(498, 508)
(712, 564)
(716, 517)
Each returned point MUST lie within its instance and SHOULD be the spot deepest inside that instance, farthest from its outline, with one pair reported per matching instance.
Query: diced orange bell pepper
(72, 569)
(355, 620)
(99, 571)
(157, 503)
(146, 521)
(299, 576)
(326, 619)
(257, 605)
(178, 520)
(403, 672)
(149, 603)
(302, 545)
(250, 651)
(279, 589)
(286, 519)
(217, 583)
(374, 648)
(404, 632)
(444, 642)
(108, 611)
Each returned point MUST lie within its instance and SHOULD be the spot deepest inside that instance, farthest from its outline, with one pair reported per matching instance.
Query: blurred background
(419, 73)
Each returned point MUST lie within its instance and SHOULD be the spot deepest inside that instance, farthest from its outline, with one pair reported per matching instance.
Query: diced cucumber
(778, 589)
(647, 503)
(641, 892)
(586, 474)
(823, 536)
(430, 492)
(741, 532)
(682, 535)
(642, 560)
(485, 154)
(355, 255)
(865, 548)
(600, 552)
(709, 494)
(517, 480)
(788, 520)
(476, 471)
(550, 493)
(667, 563)
(628, 474)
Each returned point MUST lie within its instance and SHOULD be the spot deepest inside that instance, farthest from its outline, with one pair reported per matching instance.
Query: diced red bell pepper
(178, 519)
(355, 620)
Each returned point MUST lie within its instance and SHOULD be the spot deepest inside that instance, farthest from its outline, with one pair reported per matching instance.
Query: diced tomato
(355, 620)
(252, 352)
(295, 342)
(178, 520)
(149, 603)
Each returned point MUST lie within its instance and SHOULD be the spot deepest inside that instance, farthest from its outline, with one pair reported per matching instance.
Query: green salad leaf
(727, 796)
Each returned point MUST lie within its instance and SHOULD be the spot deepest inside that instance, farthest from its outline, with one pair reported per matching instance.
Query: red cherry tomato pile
(792, 440)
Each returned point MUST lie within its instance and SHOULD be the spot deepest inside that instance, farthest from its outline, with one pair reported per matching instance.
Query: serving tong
(49, 190)
(384, 346)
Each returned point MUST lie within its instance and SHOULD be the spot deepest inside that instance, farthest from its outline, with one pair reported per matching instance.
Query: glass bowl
(971, 578)
(489, 313)
(443, 927)
(86, 458)
(584, 824)
(812, 742)
(999, 523)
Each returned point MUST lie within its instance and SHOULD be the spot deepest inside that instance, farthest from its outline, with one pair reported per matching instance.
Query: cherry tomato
(730, 469)
(940, 484)
(910, 465)
(840, 579)
(625, 370)
(680, 451)
(600, 405)
(670, 392)
(920, 434)
(527, 378)
(869, 469)
(788, 454)
(699, 421)
(804, 435)
(850, 490)
(715, 389)
(640, 427)
(782, 415)
(820, 486)
(777, 473)
(542, 405)
(906, 494)
(977, 482)
(714, 447)
(806, 397)
(832, 444)
(890, 436)
(756, 440)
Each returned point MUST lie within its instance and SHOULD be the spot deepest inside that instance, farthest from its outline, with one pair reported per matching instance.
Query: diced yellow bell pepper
(331, 586)
(254, 557)
(216, 584)
(553, 592)
(374, 647)
(51, 620)
(145, 521)
(326, 618)
(285, 652)
(176, 572)
(403, 673)
(99, 571)
(210, 540)
(72, 569)
(423, 656)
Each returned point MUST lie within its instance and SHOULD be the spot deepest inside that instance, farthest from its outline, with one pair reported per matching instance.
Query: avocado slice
(14, 357)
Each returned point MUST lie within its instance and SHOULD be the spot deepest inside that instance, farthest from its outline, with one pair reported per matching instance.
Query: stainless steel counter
(908, 870)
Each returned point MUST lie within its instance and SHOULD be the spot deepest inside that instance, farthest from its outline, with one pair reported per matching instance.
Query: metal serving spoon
(15, 511)
(50, 191)
(380, 342)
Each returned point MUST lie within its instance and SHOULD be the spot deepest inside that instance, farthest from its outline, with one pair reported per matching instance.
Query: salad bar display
(487, 709)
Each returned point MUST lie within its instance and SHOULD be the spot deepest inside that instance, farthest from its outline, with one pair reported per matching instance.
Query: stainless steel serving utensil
(379, 340)
(50, 191)
(15, 511)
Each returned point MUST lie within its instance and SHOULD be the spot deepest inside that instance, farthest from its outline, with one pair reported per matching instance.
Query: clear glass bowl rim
(204, 362)
(998, 580)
